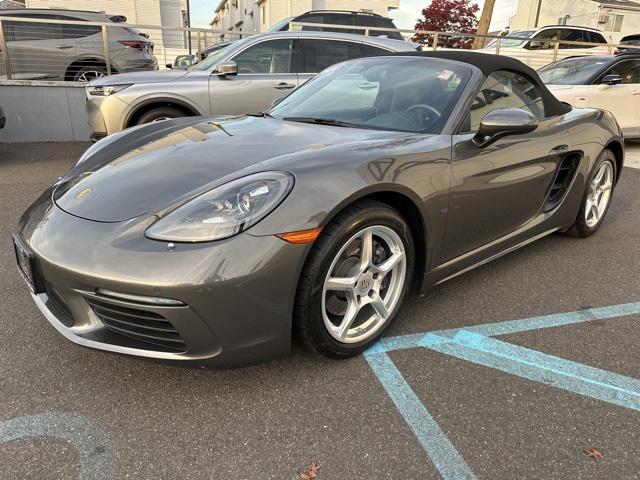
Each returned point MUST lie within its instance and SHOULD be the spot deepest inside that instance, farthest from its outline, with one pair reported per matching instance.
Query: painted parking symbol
(98, 459)
(476, 345)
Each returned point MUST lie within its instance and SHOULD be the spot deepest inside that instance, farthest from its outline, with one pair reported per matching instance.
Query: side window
(320, 54)
(380, 22)
(544, 40)
(573, 35)
(505, 89)
(272, 56)
(595, 37)
(78, 31)
(25, 31)
(312, 18)
(371, 51)
(339, 19)
(629, 70)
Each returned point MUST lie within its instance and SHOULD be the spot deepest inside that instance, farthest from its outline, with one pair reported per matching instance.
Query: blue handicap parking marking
(476, 345)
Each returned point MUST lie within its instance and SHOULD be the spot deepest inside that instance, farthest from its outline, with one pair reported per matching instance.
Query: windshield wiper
(260, 114)
(323, 121)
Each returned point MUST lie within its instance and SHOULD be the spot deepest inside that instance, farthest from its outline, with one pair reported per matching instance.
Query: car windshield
(214, 57)
(409, 94)
(508, 42)
(572, 71)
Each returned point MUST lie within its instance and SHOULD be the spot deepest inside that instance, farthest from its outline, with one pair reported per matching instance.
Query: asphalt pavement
(475, 397)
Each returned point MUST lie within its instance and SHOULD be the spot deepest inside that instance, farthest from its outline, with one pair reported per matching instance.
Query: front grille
(141, 325)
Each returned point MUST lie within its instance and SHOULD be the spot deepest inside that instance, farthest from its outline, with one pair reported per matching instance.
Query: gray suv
(242, 78)
(72, 52)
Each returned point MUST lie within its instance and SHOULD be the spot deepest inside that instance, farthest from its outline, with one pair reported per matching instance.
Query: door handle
(284, 86)
(64, 46)
(559, 150)
(637, 92)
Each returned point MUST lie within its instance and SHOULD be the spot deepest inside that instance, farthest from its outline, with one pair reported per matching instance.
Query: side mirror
(226, 68)
(502, 122)
(169, 66)
(533, 45)
(611, 80)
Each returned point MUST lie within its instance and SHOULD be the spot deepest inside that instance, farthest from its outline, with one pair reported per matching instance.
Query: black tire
(160, 113)
(580, 228)
(309, 325)
(87, 73)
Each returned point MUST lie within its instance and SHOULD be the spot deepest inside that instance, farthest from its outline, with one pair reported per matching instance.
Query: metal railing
(44, 49)
(49, 49)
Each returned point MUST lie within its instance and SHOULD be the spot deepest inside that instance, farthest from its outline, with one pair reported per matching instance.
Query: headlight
(105, 91)
(224, 211)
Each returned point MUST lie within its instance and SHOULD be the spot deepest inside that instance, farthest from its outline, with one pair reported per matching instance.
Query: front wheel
(160, 113)
(355, 280)
(597, 196)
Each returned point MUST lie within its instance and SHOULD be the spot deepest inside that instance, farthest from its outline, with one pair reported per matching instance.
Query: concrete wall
(43, 112)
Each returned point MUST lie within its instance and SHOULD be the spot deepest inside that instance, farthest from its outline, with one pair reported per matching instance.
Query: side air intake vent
(564, 176)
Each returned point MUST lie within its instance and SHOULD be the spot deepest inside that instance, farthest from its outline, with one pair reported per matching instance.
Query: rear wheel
(355, 280)
(597, 196)
(89, 72)
(160, 113)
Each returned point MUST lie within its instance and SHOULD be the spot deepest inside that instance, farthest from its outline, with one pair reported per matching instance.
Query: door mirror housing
(611, 80)
(502, 122)
(226, 68)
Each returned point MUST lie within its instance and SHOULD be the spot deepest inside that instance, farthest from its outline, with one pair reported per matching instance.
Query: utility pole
(189, 26)
(538, 13)
(483, 24)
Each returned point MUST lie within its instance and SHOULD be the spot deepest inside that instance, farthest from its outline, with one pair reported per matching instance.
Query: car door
(500, 187)
(321, 53)
(266, 71)
(39, 49)
(623, 100)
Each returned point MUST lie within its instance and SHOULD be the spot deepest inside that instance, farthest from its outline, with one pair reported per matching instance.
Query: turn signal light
(300, 237)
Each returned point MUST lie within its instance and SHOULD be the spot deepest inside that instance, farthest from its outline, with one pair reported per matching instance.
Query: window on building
(613, 23)
(505, 89)
(263, 15)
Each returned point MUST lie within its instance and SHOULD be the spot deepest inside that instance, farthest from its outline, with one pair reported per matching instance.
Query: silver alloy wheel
(87, 76)
(371, 287)
(599, 194)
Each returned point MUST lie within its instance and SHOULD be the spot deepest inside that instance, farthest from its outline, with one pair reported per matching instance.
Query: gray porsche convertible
(216, 240)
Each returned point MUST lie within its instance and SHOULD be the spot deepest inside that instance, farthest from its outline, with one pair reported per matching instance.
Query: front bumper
(105, 114)
(233, 299)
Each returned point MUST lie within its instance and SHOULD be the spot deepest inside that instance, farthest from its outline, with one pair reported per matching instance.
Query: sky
(404, 17)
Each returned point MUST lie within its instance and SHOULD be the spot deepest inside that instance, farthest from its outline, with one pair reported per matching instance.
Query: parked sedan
(211, 240)
(244, 77)
(610, 83)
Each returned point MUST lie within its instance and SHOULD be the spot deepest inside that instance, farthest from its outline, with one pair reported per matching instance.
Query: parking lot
(452, 392)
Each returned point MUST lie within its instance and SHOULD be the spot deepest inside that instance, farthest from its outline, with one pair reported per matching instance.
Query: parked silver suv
(244, 77)
(72, 52)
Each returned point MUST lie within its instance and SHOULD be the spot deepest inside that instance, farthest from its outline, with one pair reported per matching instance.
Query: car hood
(151, 169)
(156, 76)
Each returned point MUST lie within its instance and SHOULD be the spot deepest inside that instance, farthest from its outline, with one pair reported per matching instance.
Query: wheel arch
(143, 107)
(83, 62)
(406, 203)
(618, 151)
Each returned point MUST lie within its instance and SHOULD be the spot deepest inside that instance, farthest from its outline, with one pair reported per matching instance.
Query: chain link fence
(65, 50)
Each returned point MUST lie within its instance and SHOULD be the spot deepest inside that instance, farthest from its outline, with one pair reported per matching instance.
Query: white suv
(537, 46)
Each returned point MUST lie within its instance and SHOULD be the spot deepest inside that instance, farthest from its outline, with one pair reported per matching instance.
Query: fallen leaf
(596, 455)
(310, 473)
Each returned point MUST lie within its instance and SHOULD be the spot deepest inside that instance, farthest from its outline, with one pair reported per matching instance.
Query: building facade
(254, 16)
(616, 18)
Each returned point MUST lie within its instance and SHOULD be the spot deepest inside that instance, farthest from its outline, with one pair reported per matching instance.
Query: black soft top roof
(488, 63)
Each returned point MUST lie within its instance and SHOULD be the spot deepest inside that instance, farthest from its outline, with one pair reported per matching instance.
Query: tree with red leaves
(448, 16)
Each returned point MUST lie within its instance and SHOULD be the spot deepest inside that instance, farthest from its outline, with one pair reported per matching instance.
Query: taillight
(137, 44)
